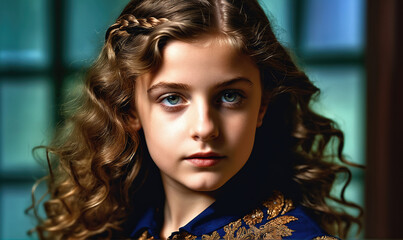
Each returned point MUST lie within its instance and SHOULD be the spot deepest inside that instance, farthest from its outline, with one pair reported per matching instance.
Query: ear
(134, 121)
(262, 110)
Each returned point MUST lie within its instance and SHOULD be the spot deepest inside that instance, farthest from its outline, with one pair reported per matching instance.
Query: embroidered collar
(224, 210)
(275, 218)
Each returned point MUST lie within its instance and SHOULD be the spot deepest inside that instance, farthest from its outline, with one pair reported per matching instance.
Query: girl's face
(199, 112)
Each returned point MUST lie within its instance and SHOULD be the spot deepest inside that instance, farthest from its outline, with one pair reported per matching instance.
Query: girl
(195, 124)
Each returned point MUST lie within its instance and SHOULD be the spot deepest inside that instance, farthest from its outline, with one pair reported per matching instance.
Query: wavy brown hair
(99, 166)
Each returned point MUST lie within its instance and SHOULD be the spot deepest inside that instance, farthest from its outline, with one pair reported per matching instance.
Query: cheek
(240, 131)
(243, 127)
(162, 135)
(157, 141)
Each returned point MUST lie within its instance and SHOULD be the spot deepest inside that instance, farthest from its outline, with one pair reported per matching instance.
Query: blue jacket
(274, 218)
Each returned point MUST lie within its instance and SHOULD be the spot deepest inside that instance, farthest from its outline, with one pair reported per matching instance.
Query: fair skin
(199, 112)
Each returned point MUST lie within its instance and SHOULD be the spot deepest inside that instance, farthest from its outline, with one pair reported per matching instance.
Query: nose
(205, 126)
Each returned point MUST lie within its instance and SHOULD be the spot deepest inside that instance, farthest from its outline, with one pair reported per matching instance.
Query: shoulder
(275, 218)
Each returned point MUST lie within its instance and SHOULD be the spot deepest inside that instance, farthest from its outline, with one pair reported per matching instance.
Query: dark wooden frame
(384, 191)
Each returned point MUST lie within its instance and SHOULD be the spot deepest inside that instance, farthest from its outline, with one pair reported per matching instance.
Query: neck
(181, 206)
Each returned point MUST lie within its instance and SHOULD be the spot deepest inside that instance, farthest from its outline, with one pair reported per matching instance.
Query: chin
(208, 185)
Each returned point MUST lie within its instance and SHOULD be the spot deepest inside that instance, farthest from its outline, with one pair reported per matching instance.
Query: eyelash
(236, 103)
(239, 98)
(169, 107)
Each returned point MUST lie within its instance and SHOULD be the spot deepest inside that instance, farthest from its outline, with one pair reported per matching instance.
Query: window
(44, 46)
(328, 38)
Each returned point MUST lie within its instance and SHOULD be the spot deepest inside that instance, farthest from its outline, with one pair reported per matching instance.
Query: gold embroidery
(145, 236)
(231, 228)
(242, 233)
(287, 206)
(214, 236)
(179, 236)
(183, 235)
(253, 218)
(274, 229)
(325, 238)
(190, 237)
(274, 205)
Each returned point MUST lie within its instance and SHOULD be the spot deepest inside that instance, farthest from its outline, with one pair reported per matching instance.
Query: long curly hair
(99, 166)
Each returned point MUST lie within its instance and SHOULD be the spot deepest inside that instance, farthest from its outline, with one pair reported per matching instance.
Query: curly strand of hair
(88, 160)
(50, 177)
(35, 203)
(319, 148)
(317, 178)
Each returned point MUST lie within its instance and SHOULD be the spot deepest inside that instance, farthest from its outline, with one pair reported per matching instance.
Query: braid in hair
(125, 26)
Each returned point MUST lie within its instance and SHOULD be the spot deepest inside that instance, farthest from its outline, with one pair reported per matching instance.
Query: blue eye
(230, 97)
(172, 100)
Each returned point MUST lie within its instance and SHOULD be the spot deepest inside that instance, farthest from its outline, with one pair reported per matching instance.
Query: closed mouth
(205, 160)
(207, 155)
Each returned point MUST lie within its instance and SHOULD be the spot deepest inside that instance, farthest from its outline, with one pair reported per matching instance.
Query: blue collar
(229, 207)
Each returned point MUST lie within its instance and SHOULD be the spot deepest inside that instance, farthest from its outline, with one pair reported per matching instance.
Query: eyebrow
(235, 80)
(181, 86)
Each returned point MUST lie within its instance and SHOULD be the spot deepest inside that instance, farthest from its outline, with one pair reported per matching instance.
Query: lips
(205, 159)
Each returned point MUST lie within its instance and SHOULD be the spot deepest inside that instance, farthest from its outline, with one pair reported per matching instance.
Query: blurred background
(349, 48)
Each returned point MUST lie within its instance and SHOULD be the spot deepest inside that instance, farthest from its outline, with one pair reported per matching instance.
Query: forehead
(209, 59)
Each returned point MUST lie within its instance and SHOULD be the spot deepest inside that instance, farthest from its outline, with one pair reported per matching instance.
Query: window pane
(14, 200)
(26, 118)
(72, 88)
(87, 22)
(343, 99)
(24, 33)
(333, 25)
(281, 16)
